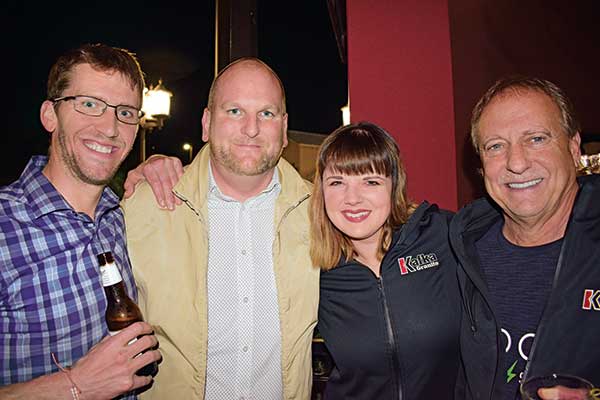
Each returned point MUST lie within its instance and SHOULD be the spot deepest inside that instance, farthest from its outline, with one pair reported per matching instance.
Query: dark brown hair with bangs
(357, 149)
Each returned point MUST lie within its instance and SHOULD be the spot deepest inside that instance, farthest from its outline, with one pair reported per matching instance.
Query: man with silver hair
(529, 252)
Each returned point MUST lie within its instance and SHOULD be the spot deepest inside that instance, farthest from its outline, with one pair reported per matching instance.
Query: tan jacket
(169, 255)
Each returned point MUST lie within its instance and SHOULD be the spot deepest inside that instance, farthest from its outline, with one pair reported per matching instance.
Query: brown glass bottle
(121, 311)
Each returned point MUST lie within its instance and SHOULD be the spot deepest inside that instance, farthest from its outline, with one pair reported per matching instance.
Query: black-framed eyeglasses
(94, 107)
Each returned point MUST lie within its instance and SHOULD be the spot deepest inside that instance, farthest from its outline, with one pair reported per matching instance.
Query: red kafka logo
(591, 300)
(410, 264)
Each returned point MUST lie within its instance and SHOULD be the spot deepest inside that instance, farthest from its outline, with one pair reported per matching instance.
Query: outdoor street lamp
(190, 149)
(156, 107)
(345, 114)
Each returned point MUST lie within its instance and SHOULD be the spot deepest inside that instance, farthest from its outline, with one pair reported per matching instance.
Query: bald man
(226, 278)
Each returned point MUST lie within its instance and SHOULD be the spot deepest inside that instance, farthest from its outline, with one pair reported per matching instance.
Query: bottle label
(110, 274)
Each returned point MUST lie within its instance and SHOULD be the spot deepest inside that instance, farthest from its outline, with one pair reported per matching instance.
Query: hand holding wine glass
(558, 387)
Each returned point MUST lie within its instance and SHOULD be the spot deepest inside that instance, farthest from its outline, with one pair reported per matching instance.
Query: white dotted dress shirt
(244, 340)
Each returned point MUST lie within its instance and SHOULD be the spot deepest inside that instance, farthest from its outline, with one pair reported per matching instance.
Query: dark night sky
(173, 42)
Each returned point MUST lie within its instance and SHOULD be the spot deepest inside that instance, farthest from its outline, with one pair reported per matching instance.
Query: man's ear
(285, 130)
(48, 116)
(575, 148)
(205, 124)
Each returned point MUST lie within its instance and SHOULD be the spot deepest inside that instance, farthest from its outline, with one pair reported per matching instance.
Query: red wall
(554, 40)
(400, 77)
(418, 67)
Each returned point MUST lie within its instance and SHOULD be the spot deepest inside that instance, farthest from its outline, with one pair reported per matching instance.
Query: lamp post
(156, 107)
(190, 149)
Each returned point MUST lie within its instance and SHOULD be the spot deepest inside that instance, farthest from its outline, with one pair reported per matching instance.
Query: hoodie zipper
(391, 341)
(390, 338)
(469, 298)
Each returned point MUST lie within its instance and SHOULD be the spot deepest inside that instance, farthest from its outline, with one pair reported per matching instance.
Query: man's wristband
(75, 391)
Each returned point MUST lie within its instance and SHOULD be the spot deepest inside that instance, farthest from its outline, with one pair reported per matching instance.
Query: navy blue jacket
(395, 337)
(567, 339)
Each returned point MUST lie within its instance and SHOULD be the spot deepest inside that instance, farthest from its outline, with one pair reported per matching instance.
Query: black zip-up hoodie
(395, 337)
(567, 339)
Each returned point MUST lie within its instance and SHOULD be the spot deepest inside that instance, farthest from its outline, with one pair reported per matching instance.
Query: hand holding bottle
(109, 368)
(121, 311)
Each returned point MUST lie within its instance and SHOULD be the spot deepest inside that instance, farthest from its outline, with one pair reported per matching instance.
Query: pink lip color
(352, 218)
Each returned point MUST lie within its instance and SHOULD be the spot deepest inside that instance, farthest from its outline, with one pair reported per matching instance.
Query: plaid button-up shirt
(51, 294)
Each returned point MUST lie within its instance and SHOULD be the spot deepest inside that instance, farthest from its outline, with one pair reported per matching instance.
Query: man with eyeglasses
(54, 221)
(95, 107)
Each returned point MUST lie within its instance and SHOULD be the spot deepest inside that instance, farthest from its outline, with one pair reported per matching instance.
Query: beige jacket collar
(193, 186)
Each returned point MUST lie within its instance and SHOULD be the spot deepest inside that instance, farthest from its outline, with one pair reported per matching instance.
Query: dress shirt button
(245, 348)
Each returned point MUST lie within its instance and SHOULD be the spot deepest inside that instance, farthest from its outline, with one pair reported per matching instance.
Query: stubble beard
(70, 160)
(265, 163)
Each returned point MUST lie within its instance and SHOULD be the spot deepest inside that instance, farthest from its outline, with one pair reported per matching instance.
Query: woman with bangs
(389, 309)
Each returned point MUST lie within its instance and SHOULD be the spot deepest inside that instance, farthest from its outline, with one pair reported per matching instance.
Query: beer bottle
(121, 311)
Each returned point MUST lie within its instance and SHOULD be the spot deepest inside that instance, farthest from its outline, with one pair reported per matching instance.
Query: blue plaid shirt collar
(43, 198)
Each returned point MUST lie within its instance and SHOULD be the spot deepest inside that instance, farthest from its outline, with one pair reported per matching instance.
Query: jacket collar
(193, 186)
(586, 207)
(476, 218)
(467, 226)
(419, 219)
(480, 214)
